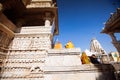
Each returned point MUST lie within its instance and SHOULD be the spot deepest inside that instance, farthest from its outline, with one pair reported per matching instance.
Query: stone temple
(27, 29)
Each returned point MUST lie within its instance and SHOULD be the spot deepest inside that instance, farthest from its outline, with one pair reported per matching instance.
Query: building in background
(95, 47)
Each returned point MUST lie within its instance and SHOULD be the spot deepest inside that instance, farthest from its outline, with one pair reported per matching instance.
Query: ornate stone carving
(21, 43)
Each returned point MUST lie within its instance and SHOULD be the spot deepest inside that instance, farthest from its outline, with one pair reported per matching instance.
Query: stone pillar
(47, 19)
(47, 23)
(115, 42)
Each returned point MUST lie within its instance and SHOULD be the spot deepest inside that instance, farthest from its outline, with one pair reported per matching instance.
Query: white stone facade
(30, 55)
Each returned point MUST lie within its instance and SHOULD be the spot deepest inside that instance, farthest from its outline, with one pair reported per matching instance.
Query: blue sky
(82, 20)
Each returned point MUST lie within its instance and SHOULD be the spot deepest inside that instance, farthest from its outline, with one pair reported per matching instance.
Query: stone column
(115, 42)
(47, 19)
(47, 23)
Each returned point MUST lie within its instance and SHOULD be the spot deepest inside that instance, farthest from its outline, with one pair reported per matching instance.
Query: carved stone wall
(51, 64)
(31, 42)
(21, 64)
(32, 38)
(30, 55)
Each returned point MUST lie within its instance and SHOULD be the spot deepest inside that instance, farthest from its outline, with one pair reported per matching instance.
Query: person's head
(93, 55)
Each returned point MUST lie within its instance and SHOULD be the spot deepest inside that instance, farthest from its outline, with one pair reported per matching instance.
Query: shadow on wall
(106, 72)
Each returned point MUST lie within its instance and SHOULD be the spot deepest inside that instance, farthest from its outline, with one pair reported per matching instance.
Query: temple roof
(113, 23)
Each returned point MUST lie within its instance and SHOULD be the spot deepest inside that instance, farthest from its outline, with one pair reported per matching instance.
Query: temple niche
(27, 29)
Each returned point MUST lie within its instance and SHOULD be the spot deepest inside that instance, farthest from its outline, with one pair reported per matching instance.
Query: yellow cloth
(69, 45)
(58, 45)
(84, 58)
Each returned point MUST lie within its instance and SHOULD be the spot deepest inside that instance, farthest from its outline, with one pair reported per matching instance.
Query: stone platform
(52, 64)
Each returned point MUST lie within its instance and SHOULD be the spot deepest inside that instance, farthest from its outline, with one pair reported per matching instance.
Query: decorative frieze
(24, 64)
(22, 72)
(31, 43)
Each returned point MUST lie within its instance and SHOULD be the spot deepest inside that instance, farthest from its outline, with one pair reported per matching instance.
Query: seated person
(94, 60)
(69, 45)
(58, 45)
(84, 58)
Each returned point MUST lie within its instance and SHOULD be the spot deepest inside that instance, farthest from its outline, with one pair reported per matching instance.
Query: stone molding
(37, 30)
(78, 69)
(72, 51)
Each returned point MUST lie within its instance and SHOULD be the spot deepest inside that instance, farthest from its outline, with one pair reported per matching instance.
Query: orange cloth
(69, 45)
(58, 45)
(84, 58)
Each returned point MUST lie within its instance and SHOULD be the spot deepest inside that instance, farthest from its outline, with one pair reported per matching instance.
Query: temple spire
(96, 47)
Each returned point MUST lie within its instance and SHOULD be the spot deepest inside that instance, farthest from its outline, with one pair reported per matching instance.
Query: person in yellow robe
(58, 45)
(69, 45)
(85, 59)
